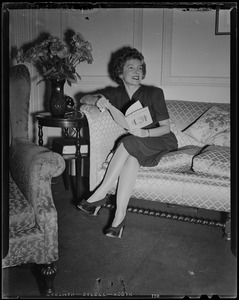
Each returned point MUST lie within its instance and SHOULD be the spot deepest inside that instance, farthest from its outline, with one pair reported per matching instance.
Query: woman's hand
(102, 103)
(140, 132)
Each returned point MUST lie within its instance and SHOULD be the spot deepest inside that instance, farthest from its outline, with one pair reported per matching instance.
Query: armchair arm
(104, 132)
(32, 168)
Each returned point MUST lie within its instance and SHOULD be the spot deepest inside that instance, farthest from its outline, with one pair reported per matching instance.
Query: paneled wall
(195, 61)
(182, 53)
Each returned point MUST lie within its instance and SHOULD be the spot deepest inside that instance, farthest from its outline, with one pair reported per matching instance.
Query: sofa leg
(48, 273)
(227, 230)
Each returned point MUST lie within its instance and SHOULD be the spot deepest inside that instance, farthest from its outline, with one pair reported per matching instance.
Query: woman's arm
(98, 100)
(153, 132)
(90, 99)
(163, 129)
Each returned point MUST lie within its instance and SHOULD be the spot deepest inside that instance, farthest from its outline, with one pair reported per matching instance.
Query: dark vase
(57, 101)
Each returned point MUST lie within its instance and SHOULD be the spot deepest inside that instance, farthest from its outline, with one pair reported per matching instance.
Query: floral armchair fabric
(33, 228)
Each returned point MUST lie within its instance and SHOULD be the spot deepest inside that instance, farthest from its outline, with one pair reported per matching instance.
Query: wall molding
(137, 29)
(170, 79)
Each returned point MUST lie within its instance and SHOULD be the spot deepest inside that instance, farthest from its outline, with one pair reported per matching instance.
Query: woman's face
(132, 72)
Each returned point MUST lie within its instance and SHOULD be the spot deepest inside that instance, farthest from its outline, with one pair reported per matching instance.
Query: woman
(142, 147)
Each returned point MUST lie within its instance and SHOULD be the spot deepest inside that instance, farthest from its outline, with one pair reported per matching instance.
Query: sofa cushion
(21, 213)
(222, 138)
(184, 113)
(177, 161)
(213, 160)
(213, 127)
(182, 138)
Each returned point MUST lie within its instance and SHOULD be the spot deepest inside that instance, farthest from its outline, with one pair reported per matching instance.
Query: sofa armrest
(32, 168)
(104, 132)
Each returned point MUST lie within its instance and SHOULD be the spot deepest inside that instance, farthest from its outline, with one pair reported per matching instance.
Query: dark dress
(149, 150)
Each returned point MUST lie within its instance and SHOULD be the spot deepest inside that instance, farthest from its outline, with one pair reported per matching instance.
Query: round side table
(45, 119)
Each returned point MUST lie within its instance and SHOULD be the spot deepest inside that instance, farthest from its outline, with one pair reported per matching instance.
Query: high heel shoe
(90, 208)
(116, 232)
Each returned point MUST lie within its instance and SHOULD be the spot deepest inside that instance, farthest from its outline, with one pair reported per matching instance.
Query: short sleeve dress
(148, 151)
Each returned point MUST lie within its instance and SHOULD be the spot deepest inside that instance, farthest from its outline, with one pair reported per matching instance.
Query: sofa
(194, 177)
(31, 213)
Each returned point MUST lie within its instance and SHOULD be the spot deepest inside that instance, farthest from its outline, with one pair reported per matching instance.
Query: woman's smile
(132, 72)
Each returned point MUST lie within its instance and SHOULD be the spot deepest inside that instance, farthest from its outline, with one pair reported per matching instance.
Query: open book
(135, 117)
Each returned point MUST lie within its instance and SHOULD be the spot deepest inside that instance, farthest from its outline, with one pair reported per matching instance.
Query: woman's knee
(133, 160)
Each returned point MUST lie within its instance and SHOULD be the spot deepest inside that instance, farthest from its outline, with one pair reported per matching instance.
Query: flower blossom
(57, 60)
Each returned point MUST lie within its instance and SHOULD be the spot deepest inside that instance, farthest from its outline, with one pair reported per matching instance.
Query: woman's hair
(121, 57)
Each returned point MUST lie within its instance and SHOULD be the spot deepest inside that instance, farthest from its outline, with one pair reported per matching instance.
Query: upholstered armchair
(33, 227)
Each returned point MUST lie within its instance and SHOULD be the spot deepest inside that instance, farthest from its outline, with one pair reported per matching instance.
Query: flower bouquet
(56, 59)
(56, 62)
